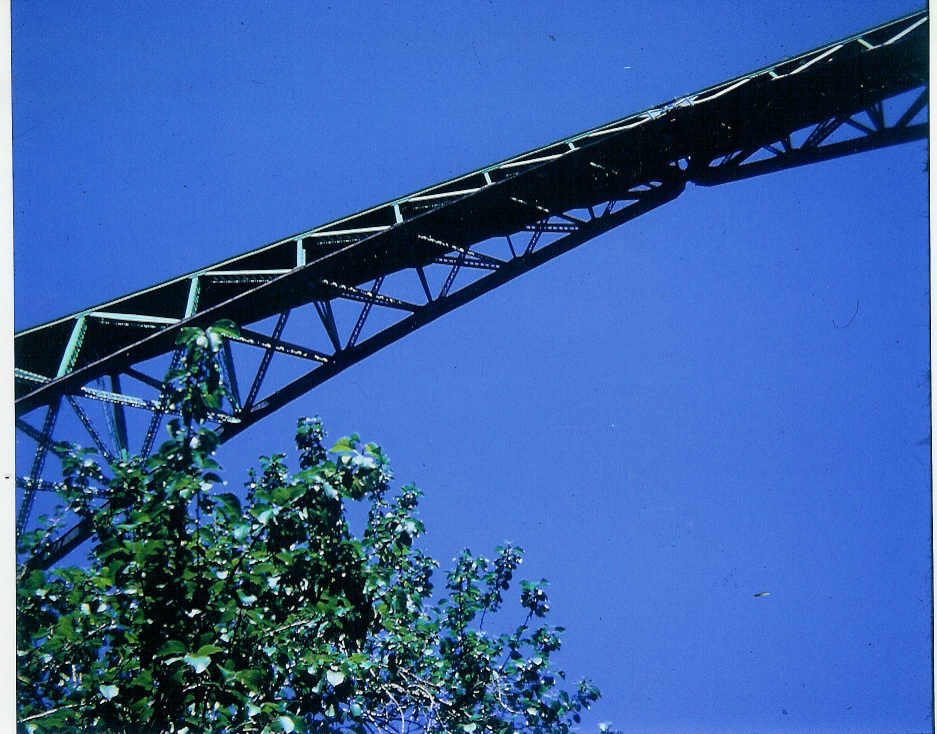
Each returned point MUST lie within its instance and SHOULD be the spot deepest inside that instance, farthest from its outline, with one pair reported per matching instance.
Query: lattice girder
(480, 230)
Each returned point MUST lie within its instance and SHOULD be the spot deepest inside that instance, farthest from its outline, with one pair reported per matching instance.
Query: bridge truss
(311, 305)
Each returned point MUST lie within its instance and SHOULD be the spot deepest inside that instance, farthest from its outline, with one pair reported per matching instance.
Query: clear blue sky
(668, 419)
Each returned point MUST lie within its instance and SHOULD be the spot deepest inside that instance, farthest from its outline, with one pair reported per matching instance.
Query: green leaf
(199, 663)
(208, 650)
(263, 517)
(225, 327)
(187, 333)
(251, 678)
(171, 647)
(63, 628)
(344, 445)
(109, 691)
(286, 723)
(229, 502)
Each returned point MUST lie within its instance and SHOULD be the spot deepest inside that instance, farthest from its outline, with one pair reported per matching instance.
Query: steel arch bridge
(357, 284)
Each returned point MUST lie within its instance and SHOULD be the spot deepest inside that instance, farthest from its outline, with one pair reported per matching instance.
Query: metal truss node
(417, 257)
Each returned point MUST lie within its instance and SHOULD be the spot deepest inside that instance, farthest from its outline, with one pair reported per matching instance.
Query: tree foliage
(203, 611)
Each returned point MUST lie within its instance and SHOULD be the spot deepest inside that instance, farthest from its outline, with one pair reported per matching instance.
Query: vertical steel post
(73, 346)
(120, 419)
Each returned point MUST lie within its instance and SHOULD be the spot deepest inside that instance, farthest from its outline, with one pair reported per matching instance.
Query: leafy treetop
(200, 611)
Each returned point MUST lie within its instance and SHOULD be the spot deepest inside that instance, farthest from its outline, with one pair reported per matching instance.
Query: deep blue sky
(669, 418)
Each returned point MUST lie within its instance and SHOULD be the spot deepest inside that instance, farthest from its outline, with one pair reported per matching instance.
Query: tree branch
(48, 713)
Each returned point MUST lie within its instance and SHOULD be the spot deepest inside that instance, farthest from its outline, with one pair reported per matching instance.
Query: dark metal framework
(420, 256)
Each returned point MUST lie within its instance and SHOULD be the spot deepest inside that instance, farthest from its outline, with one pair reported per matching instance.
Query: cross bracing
(368, 279)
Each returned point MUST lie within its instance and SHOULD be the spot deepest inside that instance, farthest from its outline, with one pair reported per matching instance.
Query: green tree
(201, 612)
